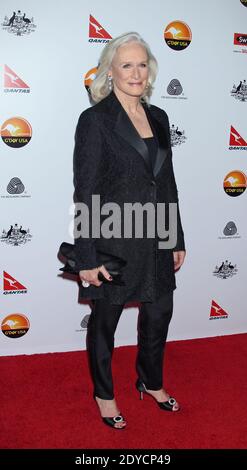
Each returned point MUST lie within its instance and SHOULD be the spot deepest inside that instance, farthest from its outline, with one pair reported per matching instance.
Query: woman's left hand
(178, 257)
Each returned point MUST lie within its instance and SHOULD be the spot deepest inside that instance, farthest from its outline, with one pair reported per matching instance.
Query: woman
(123, 154)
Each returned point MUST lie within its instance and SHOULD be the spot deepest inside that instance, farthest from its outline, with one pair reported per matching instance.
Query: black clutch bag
(112, 263)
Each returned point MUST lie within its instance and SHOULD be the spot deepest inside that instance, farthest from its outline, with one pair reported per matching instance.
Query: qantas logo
(96, 32)
(217, 311)
(11, 285)
(236, 140)
(13, 83)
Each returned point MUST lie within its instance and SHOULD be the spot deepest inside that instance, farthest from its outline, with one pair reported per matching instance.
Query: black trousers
(154, 319)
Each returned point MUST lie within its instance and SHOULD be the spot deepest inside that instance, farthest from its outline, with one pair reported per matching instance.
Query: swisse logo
(236, 140)
(177, 35)
(96, 32)
(15, 325)
(89, 78)
(240, 39)
(235, 183)
(16, 132)
(13, 83)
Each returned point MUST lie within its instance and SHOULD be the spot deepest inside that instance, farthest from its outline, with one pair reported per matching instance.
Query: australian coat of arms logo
(18, 23)
(225, 270)
(177, 136)
(239, 91)
(15, 235)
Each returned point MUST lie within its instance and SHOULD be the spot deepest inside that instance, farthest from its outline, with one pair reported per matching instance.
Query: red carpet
(47, 400)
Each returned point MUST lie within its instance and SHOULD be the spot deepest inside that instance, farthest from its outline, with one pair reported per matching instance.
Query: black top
(152, 148)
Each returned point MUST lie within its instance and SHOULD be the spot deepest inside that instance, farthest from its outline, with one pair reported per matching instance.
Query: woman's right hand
(91, 275)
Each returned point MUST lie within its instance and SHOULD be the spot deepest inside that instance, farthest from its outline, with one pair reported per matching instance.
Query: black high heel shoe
(114, 420)
(163, 405)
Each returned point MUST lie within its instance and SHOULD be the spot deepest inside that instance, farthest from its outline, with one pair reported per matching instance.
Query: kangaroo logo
(12, 285)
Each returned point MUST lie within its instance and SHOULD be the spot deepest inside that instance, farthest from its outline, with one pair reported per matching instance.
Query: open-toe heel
(112, 422)
(163, 405)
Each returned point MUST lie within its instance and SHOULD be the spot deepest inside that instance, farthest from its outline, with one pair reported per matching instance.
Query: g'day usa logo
(16, 132)
(177, 35)
(89, 78)
(15, 325)
(18, 23)
(240, 39)
(235, 183)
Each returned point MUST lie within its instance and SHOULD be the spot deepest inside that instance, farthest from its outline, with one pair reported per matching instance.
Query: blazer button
(153, 183)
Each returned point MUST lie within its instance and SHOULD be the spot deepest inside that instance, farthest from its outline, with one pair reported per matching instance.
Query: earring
(110, 82)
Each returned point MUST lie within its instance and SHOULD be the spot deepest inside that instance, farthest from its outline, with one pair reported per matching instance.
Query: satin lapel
(126, 129)
(162, 140)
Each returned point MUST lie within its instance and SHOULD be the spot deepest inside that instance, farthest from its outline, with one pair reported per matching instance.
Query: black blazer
(112, 160)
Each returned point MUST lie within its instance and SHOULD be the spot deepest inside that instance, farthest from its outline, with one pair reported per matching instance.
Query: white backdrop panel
(53, 61)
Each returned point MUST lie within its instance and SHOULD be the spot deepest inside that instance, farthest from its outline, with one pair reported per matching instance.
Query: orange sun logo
(16, 132)
(177, 35)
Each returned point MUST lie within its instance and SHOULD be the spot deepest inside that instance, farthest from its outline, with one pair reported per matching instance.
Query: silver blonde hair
(99, 88)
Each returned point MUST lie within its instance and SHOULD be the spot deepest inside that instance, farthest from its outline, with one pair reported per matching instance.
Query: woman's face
(129, 69)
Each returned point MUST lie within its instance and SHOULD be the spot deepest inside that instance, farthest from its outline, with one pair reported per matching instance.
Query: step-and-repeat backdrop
(49, 55)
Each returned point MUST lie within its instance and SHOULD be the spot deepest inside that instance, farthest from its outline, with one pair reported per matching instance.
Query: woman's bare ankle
(108, 408)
